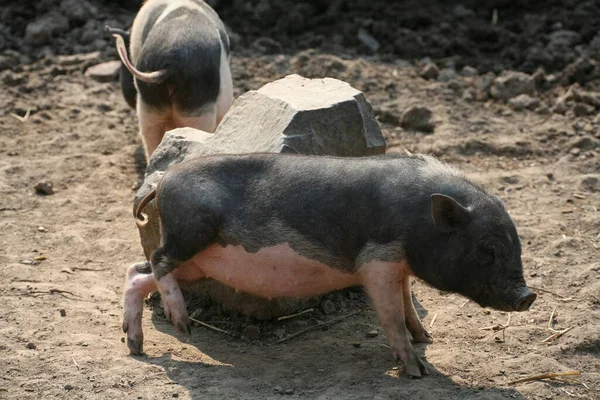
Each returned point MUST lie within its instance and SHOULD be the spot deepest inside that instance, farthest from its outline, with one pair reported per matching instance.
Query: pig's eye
(486, 253)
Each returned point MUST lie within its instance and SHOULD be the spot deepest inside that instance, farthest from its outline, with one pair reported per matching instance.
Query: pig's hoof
(423, 337)
(184, 328)
(125, 326)
(413, 366)
(136, 346)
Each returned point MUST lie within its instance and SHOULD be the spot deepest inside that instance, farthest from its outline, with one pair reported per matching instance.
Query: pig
(180, 58)
(287, 225)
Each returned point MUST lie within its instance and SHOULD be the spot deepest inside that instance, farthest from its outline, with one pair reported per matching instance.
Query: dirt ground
(63, 256)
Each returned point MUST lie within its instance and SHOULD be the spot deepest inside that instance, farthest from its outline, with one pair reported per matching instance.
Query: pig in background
(179, 65)
(293, 226)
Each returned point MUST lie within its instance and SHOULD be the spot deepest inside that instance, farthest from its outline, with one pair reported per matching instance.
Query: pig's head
(477, 253)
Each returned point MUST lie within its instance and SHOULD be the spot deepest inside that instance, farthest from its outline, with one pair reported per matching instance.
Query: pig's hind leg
(383, 282)
(413, 322)
(183, 238)
(138, 284)
(152, 127)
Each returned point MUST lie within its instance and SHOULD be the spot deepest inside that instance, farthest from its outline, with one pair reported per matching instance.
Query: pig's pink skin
(278, 271)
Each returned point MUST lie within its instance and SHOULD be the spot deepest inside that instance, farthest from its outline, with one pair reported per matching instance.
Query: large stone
(42, 31)
(291, 115)
(104, 72)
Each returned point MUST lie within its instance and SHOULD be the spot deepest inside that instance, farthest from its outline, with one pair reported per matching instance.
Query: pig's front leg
(413, 322)
(138, 284)
(383, 282)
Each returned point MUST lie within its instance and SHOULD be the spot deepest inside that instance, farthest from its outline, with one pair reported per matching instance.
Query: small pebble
(289, 391)
(44, 187)
(372, 334)
(252, 332)
(68, 387)
(42, 229)
(31, 346)
(328, 307)
(278, 389)
(63, 312)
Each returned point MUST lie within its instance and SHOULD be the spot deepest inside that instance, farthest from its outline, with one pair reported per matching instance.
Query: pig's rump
(191, 58)
(272, 272)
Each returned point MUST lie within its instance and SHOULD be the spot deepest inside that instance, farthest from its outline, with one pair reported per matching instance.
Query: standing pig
(180, 63)
(292, 226)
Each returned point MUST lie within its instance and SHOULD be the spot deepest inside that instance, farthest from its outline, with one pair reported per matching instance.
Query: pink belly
(272, 272)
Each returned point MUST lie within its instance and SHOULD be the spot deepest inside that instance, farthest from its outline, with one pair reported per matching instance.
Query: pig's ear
(448, 214)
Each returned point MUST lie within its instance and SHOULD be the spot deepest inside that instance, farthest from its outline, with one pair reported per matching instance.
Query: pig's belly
(271, 272)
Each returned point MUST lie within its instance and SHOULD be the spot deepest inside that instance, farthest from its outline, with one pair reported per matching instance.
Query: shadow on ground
(336, 363)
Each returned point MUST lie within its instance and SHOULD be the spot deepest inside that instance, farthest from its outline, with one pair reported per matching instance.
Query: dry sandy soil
(63, 256)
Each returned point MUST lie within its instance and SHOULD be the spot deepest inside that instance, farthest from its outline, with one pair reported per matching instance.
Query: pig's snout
(525, 300)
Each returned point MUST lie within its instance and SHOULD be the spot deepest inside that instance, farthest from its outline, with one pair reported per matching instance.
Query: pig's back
(325, 207)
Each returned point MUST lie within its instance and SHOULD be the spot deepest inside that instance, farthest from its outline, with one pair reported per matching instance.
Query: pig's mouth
(519, 300)
(525, 300)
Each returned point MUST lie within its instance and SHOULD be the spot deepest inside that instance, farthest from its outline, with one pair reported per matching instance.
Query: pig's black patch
(187, 45)
(344, 212)
(217, 21)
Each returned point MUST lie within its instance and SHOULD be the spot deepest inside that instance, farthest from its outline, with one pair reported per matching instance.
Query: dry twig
(319, 325)
(546, 291)
(549, 375)
(55, 291)
(22, 119)
(284, 317)
(214, 328)
(496, 328)
(556, 335)
(465, 303)
(433, 320)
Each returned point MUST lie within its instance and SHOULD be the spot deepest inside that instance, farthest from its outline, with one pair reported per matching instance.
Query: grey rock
(42, 30)
(586, 143)
(417, 118)
(462, 11)
(468, 71)
(104, 72)
(6, 62)
(368, 40)
(293, 114)
(78, 11)
(446, 75)
(430, 71)
(561, 106)
(11, 78)
(267, 45)
(512, 83)
(539, 77)
(328, 307)
(44, 187)
(252, 332)
(373, 333)
(524, 101)
(591, 183)
(485, 81)
(582, 109)
(77, 58)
